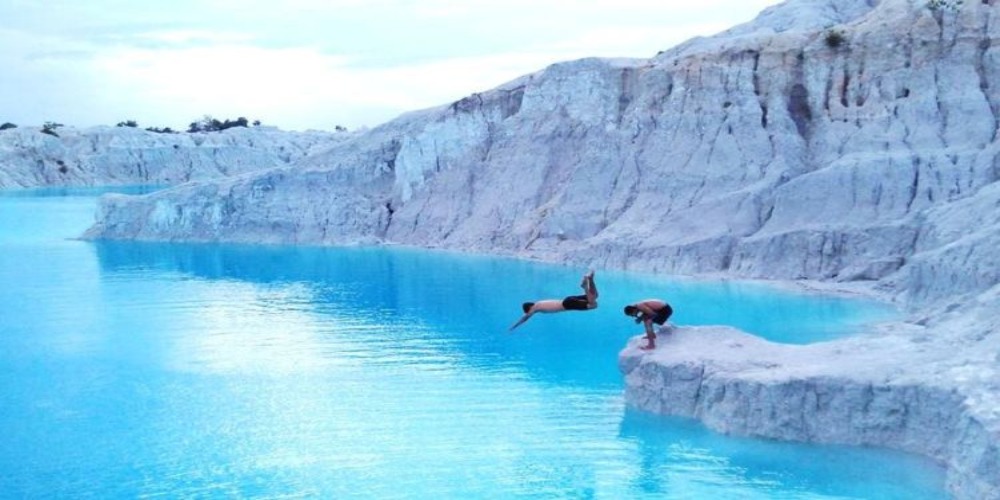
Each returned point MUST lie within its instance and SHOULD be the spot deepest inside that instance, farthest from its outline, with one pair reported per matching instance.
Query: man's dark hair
(631, 310)
(526, 306)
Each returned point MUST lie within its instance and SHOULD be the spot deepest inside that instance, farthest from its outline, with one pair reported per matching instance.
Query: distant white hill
(127, 155)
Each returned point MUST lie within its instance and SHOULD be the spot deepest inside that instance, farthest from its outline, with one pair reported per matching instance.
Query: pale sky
(301, 64)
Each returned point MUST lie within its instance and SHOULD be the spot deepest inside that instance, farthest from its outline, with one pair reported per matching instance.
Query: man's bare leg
(650, 342)
(590, 288)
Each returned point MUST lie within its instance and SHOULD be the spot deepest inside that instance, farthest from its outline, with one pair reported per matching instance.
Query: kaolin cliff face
(104, 156)
(767, 151)
(759, 154)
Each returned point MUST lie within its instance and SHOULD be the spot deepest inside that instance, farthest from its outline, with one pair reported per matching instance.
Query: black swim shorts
(575, 303)
(663, 315)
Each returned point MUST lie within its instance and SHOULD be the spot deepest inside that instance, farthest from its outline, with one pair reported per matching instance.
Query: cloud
(310, 63)
(286, 86)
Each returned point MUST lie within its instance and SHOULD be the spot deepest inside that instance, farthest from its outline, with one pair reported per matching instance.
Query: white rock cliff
(126, 155)
(851, 141)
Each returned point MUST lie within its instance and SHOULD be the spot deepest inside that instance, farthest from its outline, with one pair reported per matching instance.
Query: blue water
(148, 369)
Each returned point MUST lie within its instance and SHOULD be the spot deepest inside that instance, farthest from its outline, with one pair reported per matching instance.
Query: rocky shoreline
(841, 392)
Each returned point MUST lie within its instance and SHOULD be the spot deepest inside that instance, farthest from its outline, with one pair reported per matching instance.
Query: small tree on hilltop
(50, 128)
(209, 124)
(127, 123)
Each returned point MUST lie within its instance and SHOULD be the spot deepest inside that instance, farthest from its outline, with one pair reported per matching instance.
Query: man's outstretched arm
(522, 320)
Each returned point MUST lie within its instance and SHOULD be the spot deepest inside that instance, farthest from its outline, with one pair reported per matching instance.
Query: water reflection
(461, 305)
(681, 457)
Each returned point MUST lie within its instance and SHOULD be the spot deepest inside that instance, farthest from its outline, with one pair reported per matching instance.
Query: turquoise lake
(176, 370)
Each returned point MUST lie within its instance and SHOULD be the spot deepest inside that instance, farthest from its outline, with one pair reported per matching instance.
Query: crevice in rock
(712, 143)
(764, 214)
(914, 184)
(390, 152)
(511, 103)
(727, 255)
(757, 88)
(826, 94)
(859, 96)
(416, 217)
(845, 83)
(798, 109)
(696, 195)
(487, 147)
(626, 93)
(798, 100)
(701, 385)
(942, 117)
(389, 211)
(467, 104)
(984, 83)
(613, 215)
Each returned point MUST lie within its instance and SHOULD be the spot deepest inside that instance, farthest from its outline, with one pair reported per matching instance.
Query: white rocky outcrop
(832, 140)
(102, 156)
(832, 392)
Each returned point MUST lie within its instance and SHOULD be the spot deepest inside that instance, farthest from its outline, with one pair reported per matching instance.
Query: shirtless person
(584, 302)
(650, 311)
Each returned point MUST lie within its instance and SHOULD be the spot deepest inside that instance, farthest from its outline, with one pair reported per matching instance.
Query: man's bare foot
(647, 347)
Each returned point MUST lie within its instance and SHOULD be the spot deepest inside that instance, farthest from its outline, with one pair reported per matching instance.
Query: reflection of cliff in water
(466, 303)
(462, 304)
(671, 447)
